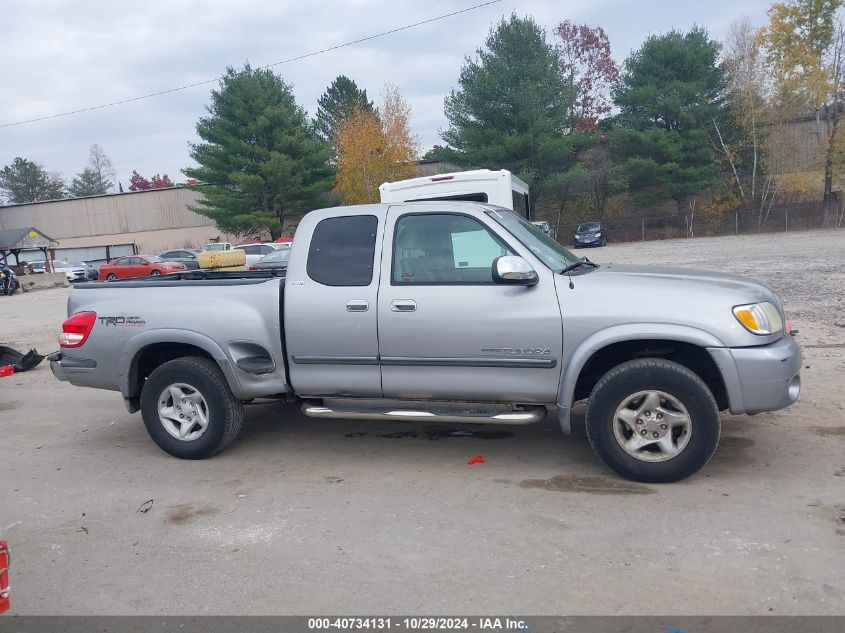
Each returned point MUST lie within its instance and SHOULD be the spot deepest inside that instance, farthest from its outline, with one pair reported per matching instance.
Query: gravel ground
(307, 517)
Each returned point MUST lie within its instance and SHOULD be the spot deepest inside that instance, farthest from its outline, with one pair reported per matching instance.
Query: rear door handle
(403, 305)
(357, 305)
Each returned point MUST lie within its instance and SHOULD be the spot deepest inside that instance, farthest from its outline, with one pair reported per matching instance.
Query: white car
(74, 272)
(255, 252)
(217, 246)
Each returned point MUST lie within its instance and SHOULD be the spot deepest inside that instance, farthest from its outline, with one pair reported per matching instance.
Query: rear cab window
(342, 251)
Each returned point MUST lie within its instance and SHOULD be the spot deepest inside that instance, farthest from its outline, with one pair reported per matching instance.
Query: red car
(138, 266)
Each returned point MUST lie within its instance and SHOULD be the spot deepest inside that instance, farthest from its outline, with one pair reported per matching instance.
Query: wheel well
(152, 356)
(693, 357)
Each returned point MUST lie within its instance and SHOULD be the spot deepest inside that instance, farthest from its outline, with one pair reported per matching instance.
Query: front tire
(155, 273)
(111, 277)
(653, 420)
(189, 410)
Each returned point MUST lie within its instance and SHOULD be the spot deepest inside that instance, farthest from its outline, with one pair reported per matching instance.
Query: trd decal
(120, 321)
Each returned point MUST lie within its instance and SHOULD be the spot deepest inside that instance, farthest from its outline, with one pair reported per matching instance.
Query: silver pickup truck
(452, 312)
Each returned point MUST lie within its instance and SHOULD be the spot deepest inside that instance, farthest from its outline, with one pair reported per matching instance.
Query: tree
(670, 91)
(95, 178)
(102, 166)
(806, 49)
(373, 148)
(138, 183)
(587, 65)
(86, 183)
(512, 107)
(161, 182)
(26, 181)
(340, 101)
(261, 160)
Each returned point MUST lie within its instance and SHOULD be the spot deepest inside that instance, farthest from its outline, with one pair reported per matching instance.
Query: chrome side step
(526, 415)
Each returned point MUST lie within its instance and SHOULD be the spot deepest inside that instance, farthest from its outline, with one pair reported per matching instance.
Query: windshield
(154, 259)
(541, 245)
(215, 247)
(277, 256)
(589, 227)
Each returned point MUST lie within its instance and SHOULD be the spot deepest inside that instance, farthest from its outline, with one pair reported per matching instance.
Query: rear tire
(213, 403)
(633, 403)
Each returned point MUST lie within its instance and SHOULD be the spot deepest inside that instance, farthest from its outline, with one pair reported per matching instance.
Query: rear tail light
(76, 328)
(253, 268)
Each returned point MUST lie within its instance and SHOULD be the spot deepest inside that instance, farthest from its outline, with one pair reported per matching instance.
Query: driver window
(444, 249)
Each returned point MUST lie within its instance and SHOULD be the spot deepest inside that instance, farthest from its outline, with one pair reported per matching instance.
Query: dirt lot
(309, 517)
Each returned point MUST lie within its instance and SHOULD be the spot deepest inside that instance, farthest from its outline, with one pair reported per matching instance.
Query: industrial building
(101, 227)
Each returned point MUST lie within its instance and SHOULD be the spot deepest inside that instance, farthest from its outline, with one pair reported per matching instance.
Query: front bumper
(764, 378)
(586, 241)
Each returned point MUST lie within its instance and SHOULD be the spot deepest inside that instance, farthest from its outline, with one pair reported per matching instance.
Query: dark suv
(590, 234)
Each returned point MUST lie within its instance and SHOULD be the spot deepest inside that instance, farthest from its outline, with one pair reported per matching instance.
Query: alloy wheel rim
(183, 412)
(652, 426)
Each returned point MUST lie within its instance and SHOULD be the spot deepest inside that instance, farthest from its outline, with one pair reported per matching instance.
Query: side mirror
(514, 271)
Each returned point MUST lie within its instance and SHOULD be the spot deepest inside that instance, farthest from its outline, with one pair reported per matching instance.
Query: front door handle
(357, 305)
(403, 305)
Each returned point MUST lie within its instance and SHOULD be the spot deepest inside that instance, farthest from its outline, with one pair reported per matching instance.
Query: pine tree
(86, 183)
(261, 162)
(26, 181)
(339, 102)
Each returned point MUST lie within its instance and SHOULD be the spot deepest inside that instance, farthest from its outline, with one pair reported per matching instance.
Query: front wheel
(155, 273)
(188, 408)
(111, 277)
(653, 420)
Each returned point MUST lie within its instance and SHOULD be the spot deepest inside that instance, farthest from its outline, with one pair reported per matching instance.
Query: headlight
(759, 318)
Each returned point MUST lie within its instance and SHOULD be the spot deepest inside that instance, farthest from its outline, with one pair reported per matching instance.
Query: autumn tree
(806, 50)
(96, 178)
(587, 65)
(340, 101)
(260, 160)
(374, 148)
(138, 183)
(26, 181)
(512, 107)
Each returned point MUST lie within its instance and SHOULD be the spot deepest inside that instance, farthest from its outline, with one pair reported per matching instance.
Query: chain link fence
(740, 222)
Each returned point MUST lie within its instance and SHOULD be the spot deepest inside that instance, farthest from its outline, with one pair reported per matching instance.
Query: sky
(59, 55)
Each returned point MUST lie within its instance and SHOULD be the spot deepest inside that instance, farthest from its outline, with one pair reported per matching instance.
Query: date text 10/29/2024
(417, 624)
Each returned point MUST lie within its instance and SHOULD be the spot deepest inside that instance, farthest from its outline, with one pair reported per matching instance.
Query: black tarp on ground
(21, 362)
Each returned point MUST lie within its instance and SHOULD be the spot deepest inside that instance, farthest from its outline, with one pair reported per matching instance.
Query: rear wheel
(653, 420)
(189, 410)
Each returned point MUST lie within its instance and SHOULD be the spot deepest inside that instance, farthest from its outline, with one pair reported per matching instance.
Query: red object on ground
(284, 240)
(4, 577)
(478, 459)
(6, 370)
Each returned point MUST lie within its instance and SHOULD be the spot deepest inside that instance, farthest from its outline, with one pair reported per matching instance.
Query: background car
(138, 266)
(217, 246)
(187, 256)
(37, 266)
(73, 272)
(255, 252)
(276, 260)
(590, 234)
(92, 270)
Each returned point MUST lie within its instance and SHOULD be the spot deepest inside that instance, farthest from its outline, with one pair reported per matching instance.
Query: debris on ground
(20, 362)
(146, 506)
